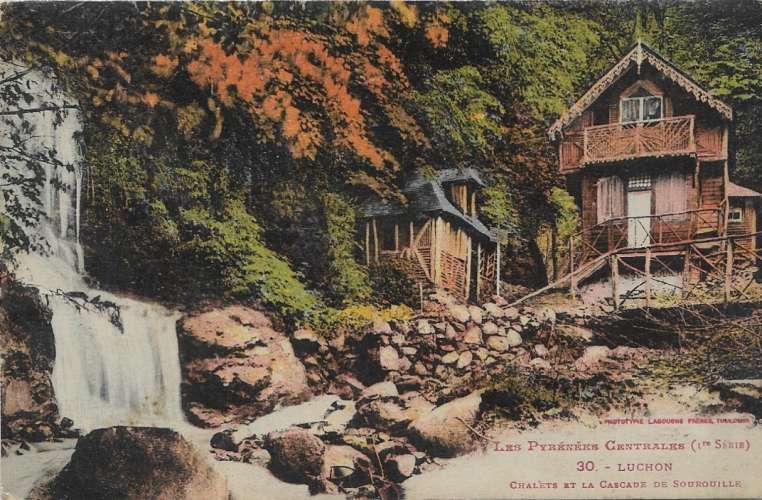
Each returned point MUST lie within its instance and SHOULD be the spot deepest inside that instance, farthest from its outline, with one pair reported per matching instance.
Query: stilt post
(572, 277)
(614, 265)
(497, 270)
(468, 268)
(728, 269)
(478, 270)
(367, 243)
(648, 276)
(375, 240)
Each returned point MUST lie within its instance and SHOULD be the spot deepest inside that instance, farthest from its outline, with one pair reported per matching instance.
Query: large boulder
(135, 462)
(27, 348)
(444, 432)
(236, 366)
(296, 455)
(386, 414)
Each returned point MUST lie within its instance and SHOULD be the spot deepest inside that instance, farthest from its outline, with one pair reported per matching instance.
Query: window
(639, 183)
(640, 109)
(735, 215)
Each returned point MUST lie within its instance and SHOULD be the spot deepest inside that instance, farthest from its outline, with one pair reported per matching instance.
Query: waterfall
(116, 359)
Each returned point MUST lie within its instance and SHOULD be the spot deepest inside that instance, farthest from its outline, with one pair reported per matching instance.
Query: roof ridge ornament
(638, 53)
(639, 56)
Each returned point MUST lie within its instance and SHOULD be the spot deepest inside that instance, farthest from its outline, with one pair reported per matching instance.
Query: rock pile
(453, 343)
(361, 446)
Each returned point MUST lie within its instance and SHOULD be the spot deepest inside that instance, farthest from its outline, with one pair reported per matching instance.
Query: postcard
(420, 250)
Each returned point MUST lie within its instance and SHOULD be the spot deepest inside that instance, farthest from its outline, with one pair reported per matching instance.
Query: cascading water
(116, 359)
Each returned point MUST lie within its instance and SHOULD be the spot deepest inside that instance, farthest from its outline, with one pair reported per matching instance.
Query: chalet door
(638, 222)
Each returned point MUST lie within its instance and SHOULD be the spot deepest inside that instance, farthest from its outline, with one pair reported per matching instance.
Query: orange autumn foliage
(164, 66)
(286, 69)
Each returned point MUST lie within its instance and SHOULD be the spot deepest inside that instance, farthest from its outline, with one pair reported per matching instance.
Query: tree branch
(38, 110)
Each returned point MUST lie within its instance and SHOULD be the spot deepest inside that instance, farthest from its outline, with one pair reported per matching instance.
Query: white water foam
(116, 359)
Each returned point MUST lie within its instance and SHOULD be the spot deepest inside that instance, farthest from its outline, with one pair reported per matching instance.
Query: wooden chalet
(439, 230)
(645, 152)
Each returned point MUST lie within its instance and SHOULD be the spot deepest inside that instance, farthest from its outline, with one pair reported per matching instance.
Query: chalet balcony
(674, 136)
(661, 231)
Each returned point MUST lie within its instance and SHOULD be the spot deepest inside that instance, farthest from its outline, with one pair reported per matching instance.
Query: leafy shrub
(181, 233)
(393, 282)
(357, 316)
(347, 280)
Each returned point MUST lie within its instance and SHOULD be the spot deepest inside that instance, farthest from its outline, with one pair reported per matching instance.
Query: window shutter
(671, 193)
(616, 185)
(603, 199)
(610, 198)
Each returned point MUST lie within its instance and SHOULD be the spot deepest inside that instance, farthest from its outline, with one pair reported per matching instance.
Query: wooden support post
(478, 270)
(554, 250)
(572, 276)
(468, 268)
(436, 243)
(367, 243)
(728, 269)
(375, 240)
(648, 277)
(497, 270)
(396, 237)
(726, 198)
(614, 264)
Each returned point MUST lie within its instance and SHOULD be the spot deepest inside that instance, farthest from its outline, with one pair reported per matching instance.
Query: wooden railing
(618, 141)
(670, 228)
(718, 266)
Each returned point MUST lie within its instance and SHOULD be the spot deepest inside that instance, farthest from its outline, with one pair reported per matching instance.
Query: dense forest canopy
(227, 145)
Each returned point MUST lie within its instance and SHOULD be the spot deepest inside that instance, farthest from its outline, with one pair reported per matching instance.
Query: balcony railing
(642, 231)
(620, 141)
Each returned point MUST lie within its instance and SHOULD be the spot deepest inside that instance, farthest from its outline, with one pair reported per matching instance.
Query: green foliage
(182, 233)
(499, 209)
(463, 120)
(354, 318)
(567, 214)
(347, 280)
(538, 54)
(393, 283)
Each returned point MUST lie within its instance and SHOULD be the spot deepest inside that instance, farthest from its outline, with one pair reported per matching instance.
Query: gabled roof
(736, 191)
(636, 56)
(426, 195)
(461, 175)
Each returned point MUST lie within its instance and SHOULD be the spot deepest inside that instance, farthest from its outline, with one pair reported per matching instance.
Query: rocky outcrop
(135, 462)
(27, 346)
(447, 430)
(236, 366)
(296, 455)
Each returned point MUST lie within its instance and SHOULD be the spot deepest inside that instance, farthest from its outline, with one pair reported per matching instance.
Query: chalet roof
(461, 174)
(426, 195)
(636, 56)
(736, 191)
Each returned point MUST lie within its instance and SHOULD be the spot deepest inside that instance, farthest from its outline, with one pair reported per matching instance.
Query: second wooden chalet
(645, 152)
(439, 230)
